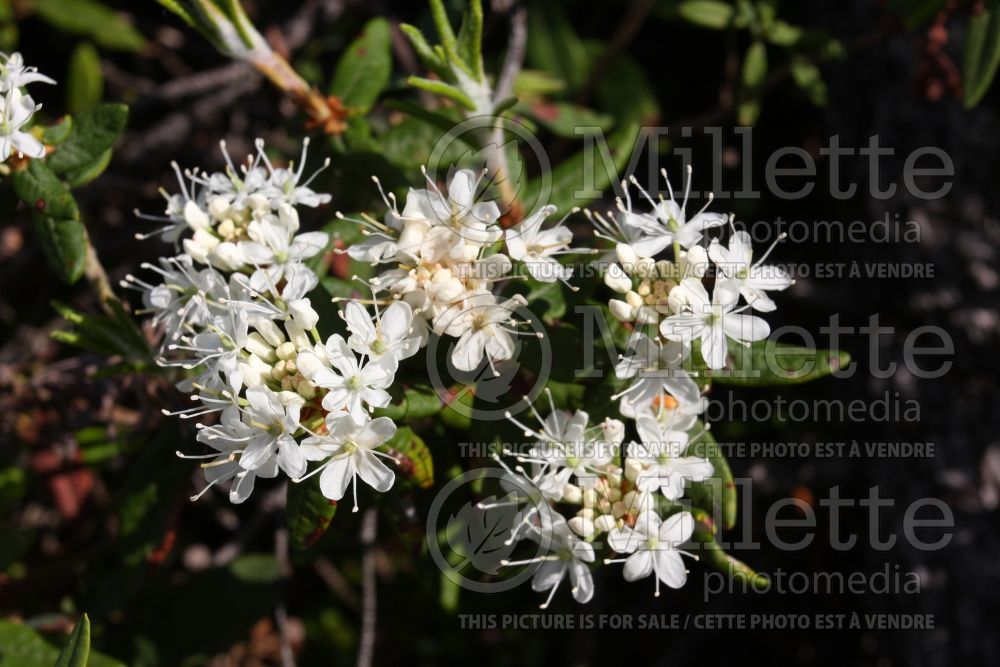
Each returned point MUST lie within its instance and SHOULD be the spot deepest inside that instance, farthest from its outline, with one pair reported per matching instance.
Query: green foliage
(113, 335)
(720, 490)
(307, 514)
(92, 20)
(77, 648)
(768, 363)
(85, 86)
(981, 56)
(82, 151)
(413, 457)
(91, 135)
(151, 493)
(363, 72)
(554, 46)
(20, 646)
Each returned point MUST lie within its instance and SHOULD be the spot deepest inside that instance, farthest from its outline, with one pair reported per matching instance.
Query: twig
(514, 58)
(366, 644)
(336, 582)
(495, 155)
(285, 567)
(98, 279)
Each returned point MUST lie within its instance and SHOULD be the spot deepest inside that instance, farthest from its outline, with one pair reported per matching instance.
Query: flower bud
(218, 207)
(626, 254)
(616, 279)
(269, 330)
(297, 335)
(286, 351)
(306, 389)
(303, 313)
(605, 523)
(257, 345)
(582, 526)
(620, 310)
(632, 469)
(633, 299)
(257, 202)
(572, 494)
(308, 363)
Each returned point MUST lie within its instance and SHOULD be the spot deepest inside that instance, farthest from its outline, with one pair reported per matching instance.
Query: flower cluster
(628, 494)
(444, 250)
(671, 293)
(17, 108)
(235, 313)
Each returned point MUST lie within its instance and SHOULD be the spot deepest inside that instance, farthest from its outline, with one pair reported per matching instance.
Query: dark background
(887, 85)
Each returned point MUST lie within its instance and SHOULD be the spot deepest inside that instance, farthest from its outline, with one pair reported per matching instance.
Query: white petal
(375, 473)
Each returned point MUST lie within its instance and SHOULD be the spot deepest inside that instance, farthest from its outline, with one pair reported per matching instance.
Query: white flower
(16, 111)
(275, 418)
(654, 368)
(353, 387)
(527, 242)
(653, 548)
(567, 554)
(666, 409)
(349, 451)
(14, 74)
(711, 321)
(474, 222)
(286, 186)
(480, 319)
(752, 279)
(668, 223)
(390, 334)
(567, 447)
(229, 438)
(183, 299)
(665, 467)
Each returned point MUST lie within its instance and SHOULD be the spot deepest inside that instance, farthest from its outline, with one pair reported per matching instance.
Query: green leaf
(767, 363)
(92, 19)
(415, 402)
(21, 646)
(721, 488)
(85, 85)
(364, 69)
(470, 38)
(712, 14)
(982, 54)
(43, 192)
(571, 177)
(64, 243)
(551, 294)
(307, 514)
(808, 77)
(109, 335)
(714, 555)
(554, 46)
(443, 89)
(94, 131)
(256, 568)
(564, 119)
(89, 171)
(783, 34)
(755, 65)
(76, 650)
(414, 459)
(151, 493)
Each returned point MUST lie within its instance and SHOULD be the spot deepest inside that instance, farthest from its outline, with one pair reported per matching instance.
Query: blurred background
(95, 509)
